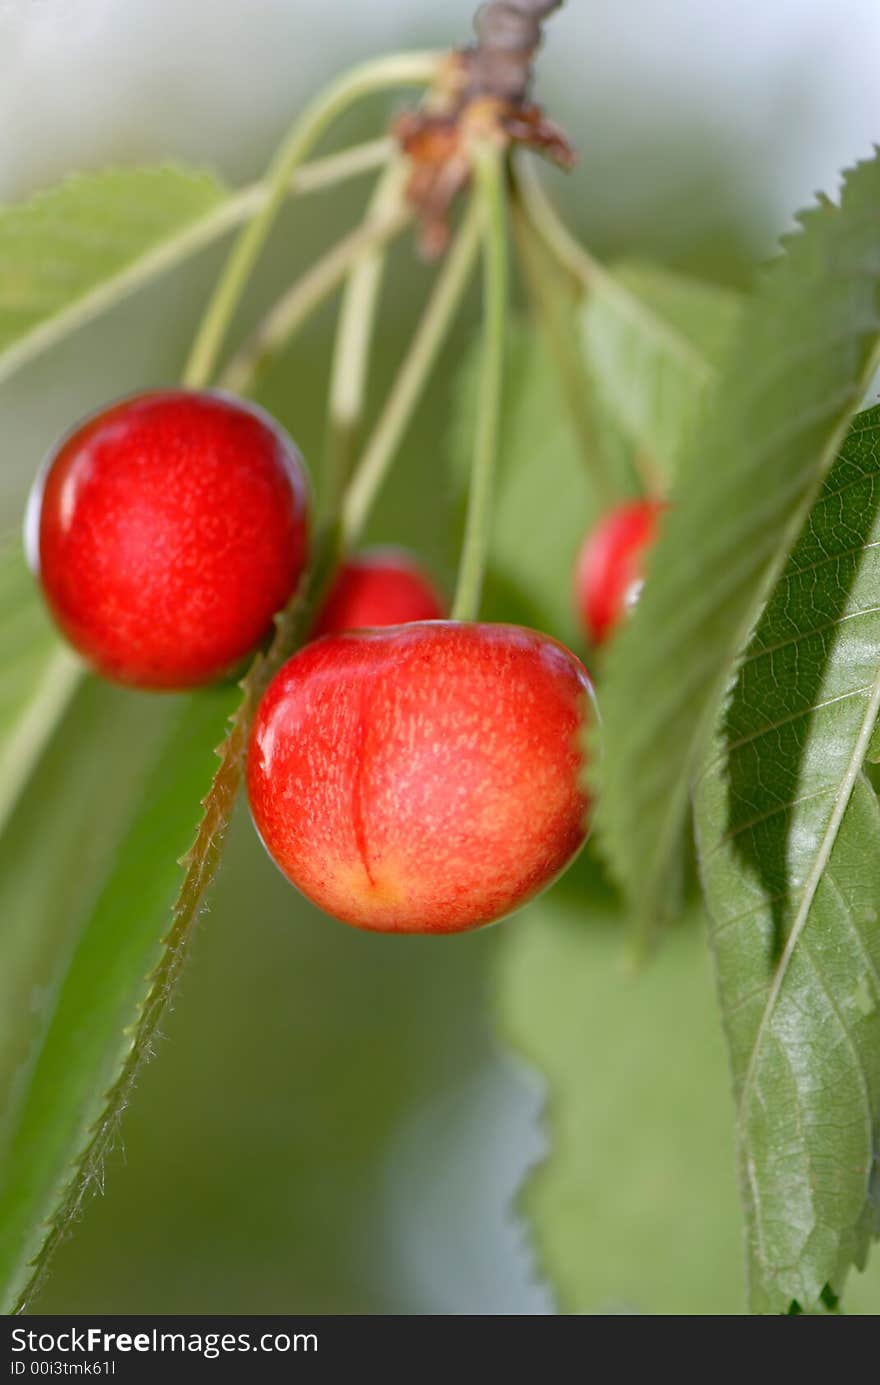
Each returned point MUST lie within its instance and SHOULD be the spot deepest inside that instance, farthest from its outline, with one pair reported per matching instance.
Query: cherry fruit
(384, 586)
(167, 530)
(422, 778)
(608, 571)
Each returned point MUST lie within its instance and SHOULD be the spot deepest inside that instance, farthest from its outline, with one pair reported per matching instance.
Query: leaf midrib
(814, 877)
(658, 867)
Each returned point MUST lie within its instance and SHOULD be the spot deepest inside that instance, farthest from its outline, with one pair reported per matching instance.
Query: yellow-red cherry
(422, 778)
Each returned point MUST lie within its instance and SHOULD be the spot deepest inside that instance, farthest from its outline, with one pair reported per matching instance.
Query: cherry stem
(412, 377)
(550, 304)
(315, 176)
(229, 214)
(544, 221)
(304, 296)
(488, 166)
(354, 336)
(401, 69)
(563, 246)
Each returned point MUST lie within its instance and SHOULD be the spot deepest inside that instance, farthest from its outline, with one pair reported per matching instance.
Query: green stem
(314, 176)
(573, 259)
(307, 294)
(550, 305)
(354, 335)
(402, 69)
(565, 248)
(230, 213)
(412, 377)
(488, 169)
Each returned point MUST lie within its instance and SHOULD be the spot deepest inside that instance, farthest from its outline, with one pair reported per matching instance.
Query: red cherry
(167, 531)
(609, 565)
(383, 586)
(422, 778)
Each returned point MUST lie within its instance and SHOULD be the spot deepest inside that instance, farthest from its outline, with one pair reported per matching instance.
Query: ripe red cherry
(383, 586)
(422, 778)
(608, 570)
(167, 531)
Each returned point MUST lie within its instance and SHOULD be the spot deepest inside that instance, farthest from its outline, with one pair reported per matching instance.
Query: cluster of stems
(354, 474)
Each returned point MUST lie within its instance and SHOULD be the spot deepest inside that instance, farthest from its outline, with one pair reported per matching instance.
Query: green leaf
(141, 981)
(654, 341)
(789, 839)
(38, 676)
(801, 362)
(634, 1208)
(78, 248)
(87, 874)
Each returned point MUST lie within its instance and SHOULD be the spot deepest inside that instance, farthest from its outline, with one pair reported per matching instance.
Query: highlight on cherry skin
(381, 586)
(166, 531)
(609, 566)
(422, 778)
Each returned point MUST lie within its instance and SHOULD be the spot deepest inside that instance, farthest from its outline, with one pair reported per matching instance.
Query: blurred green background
(332, 1123)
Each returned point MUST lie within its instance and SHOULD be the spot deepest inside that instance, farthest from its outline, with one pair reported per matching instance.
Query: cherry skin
(384, 586)
(422, 778)
(608, 570)
(167, 530)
